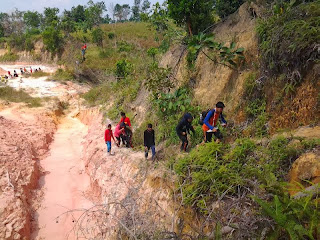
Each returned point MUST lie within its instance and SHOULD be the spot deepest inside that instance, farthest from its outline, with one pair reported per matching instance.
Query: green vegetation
(9, 57)
(63, 75)
(288, 39)
(213, 171)
(39, 74)
(9, 94)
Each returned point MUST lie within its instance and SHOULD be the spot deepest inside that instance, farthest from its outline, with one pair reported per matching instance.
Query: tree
(67, 22)
(136, 9)
(52, 39)
(125, 11)
(194, 14)
(146, 6)
(32, 19)
(51, 17)
(94, 13)
(226, 7)
(97, 36)
(78, 14)
(111, 9)
(118, 13)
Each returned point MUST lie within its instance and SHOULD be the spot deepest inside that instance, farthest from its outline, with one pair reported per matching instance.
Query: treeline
(21, 29)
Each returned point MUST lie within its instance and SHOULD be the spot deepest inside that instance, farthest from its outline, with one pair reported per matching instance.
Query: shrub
(123, 68)
(63, 75)
(288, 40)
(97, 36)
(295, 218)
(212, 169)
(10, 94)
(9, 57)
(52, 39)
(98, 95)
(111, 35)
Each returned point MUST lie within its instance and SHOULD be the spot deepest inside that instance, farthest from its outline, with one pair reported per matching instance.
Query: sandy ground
(36, 87)
(64, 183)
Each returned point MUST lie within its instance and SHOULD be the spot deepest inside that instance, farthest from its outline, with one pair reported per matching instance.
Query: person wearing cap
(209, 126)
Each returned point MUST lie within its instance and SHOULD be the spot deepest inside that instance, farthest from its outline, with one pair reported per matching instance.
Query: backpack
(203, 116)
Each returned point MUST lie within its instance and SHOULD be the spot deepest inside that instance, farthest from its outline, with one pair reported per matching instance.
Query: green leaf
(232, 45)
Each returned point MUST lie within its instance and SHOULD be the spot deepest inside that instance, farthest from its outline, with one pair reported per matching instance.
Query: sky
(39, 5)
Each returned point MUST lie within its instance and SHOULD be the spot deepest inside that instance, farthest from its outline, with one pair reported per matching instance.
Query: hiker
(149, 142)
(36, 70)
(209, 126)
(107, 137)
(83, 51)
(119, 133)
(128, 132)
(25, 70)
(124, 119)
(31, 70)
(15, 74)
(21, 71)
(183, 128)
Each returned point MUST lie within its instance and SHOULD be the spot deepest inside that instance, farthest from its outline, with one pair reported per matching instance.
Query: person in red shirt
(128, 132)
(108, 135)
(125, 119)
(83, 51)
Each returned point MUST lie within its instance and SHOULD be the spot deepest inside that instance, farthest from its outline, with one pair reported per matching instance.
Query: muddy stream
(64, 182)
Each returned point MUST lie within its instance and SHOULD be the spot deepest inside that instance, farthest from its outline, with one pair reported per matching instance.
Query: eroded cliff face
(215, 82)
(132, 194)
(24, 139)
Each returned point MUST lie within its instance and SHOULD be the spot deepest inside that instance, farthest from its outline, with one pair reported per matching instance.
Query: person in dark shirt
(183, 128)
(149, 142)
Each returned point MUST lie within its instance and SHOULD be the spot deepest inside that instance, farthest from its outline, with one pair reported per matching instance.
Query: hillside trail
(64, 183)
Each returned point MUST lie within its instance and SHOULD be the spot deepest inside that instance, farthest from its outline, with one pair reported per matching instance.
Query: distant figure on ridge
(83, 51)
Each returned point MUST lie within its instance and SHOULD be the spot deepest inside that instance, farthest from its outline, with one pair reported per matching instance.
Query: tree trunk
(189, 27)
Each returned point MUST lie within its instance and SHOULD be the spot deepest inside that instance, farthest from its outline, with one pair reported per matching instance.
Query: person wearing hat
(209, 126)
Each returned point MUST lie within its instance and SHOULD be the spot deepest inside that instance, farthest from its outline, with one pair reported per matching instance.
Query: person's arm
(153, 137)
(129, 123)
(113, 137)
(179, 127)
(145, 138)
(207, 119)
(105, 135)
(222, 119)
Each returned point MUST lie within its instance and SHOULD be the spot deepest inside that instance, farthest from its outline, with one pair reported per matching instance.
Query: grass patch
(9, 57)
(39, 74)
(9, 94)
(63, 75)
(288, 39)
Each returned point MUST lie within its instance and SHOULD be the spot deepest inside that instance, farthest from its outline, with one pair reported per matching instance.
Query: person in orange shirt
(209, 126)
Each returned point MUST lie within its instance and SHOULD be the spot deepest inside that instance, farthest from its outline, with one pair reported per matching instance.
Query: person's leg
(218, 135)
(146, 152)
(109, 146)
(182, 141)
(118, 140)
(153, 149)
(209, 136)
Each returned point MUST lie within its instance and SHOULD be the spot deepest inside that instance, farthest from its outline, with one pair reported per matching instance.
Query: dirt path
(64, 183)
